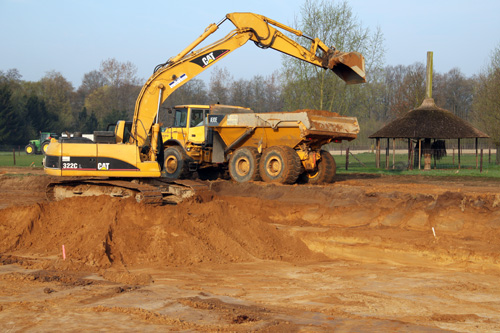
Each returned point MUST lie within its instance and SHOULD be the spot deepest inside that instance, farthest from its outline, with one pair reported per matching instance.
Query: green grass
(444, 167)
(22, 159)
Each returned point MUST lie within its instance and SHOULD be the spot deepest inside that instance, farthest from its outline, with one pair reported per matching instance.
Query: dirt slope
(363, 254)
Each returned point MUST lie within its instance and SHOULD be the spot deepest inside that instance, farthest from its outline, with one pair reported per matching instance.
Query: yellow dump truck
(273, 147)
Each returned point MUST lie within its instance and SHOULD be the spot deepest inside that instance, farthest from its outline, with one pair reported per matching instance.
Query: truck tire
(30, 149)
(176, 164)
(326, 168)
(280, 164)
(244, 165)
(44, 146)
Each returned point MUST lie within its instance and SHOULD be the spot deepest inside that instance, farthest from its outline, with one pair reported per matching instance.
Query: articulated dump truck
(139, 159)
(274, 147)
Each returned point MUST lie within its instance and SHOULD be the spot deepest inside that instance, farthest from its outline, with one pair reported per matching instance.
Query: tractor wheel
(325, 170)
(30, 149)
(244, 164)
(44, 146)
(176, 163)
(280, 164)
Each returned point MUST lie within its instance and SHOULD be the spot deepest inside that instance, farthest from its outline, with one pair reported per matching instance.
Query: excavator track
(147, 191)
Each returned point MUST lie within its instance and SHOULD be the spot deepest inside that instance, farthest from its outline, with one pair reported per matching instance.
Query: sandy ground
(363, 254)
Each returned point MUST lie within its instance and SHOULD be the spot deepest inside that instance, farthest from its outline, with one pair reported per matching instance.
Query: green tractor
(39, 146)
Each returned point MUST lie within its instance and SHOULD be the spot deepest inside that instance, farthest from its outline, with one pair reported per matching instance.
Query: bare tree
(193, 92)
(220, 83)
(486, 105)
(309, 86)
(454, 92)
(112, 91)
(57, 94)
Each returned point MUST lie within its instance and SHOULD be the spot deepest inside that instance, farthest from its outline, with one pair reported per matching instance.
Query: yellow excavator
(130, 157)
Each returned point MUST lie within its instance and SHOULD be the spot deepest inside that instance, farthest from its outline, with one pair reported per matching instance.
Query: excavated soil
(367, 253)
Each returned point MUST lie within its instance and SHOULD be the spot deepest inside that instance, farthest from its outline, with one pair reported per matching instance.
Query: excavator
(128, 161)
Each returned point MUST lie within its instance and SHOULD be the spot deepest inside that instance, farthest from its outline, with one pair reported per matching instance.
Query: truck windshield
(180, 117)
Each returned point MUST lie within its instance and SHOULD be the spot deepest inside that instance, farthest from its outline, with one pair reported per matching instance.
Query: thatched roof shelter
(425, 123)
(429, 121)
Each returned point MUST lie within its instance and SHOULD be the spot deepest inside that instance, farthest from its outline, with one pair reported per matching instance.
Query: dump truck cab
(185, 125)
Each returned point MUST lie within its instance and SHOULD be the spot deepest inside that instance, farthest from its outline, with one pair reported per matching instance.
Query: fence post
(347, 158)
(14, 155)
(489, 155)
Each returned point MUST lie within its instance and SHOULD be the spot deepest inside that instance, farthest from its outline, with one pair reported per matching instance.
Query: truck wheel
(244, 164)
(280, 164)
(30, 149)
(176, 163)
(44, 146)
(325, 171)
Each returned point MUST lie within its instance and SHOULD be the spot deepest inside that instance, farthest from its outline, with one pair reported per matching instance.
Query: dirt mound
(22, 189)
(99, 232)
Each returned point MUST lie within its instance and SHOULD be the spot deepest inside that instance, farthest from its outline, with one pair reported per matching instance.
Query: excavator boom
(263, 31)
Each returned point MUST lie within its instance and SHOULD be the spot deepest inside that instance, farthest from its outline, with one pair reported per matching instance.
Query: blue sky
(73, 37)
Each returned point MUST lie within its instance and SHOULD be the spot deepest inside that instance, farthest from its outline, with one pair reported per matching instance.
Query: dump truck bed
(285, 128)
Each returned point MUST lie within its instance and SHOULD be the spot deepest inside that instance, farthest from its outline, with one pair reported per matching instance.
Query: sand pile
(100, 232)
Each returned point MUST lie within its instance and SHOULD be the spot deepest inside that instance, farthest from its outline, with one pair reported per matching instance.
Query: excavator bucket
(349, 66)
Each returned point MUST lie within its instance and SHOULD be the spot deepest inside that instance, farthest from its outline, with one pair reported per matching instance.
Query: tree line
(108, 94)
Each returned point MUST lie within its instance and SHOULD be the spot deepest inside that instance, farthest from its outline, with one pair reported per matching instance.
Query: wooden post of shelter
(409, 154)
(387, 155)
(459, 148)
(347, 158)
(393, 153)
(377, 154)
(476, 152)
(419, 153)
(481, 164)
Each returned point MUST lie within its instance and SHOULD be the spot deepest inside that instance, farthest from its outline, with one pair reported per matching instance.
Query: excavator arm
(186, 65)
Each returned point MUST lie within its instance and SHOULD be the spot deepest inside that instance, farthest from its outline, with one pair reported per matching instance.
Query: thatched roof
(429, 121)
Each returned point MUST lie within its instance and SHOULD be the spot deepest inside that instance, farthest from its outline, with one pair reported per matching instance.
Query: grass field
(22, 159)
(366, 164)
(447, 166)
